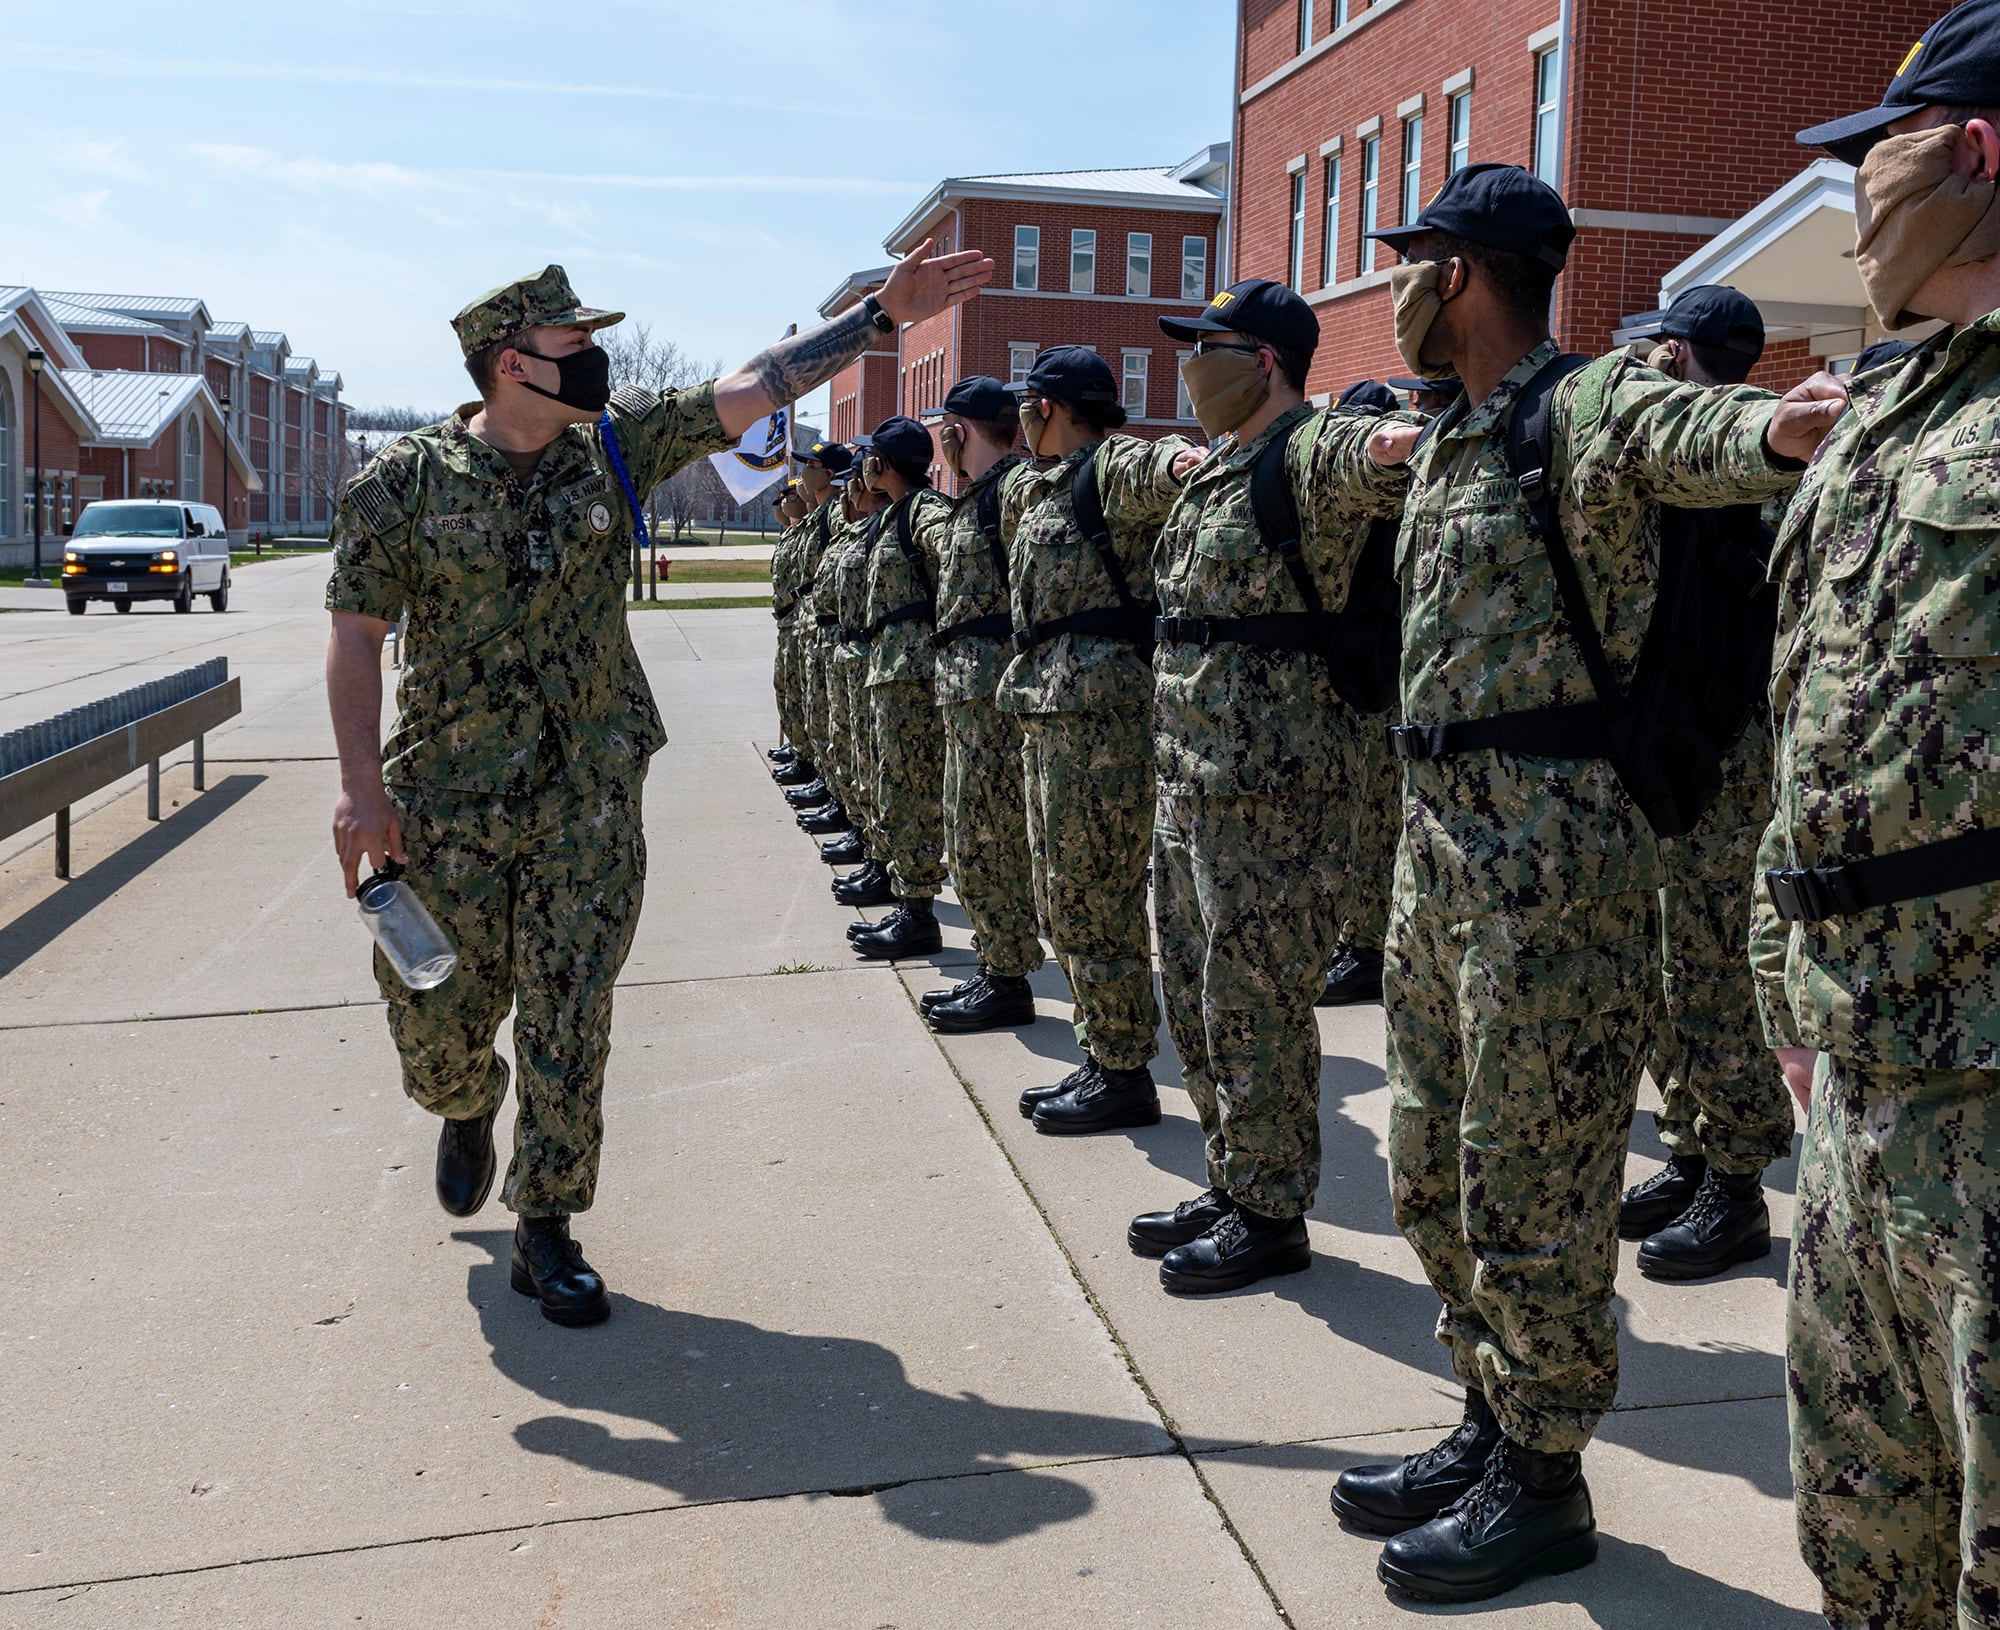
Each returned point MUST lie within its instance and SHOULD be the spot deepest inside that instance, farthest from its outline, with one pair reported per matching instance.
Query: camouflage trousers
(986, 835)
(1369, 822)
(1893, 1340)
(1243, 889)
(908, 797)
(1514, 1059)
(1723, 1095)
(1089, 784)
(789, 682)
(540, 896)
(818, 700)
(857, 750)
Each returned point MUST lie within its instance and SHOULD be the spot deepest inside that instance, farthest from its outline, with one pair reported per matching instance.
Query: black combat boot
(466, 1163)
(809, 793)
(931, 998)
(1727, 1224)
(997, 1003)
(783, 753)
(844, 850)
(1395, 1499)
(824, 823)
(1109, 1100)
(1033, 1096)
(798, 773)
(910, 930)
(870, 886)
(1645, 1208)
(1529, 1515)
(1155, 1233)
(1242, 1248)
(1356, 976)
(549, 1266)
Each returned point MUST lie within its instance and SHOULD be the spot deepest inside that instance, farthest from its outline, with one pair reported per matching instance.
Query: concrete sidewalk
(879, 1355)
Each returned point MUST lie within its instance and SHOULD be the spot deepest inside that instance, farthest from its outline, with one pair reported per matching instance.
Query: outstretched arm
(921, 286)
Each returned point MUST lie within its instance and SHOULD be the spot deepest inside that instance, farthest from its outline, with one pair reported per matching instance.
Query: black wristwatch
(876, 315)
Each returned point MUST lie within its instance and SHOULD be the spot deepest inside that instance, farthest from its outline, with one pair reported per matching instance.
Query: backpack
(1132, 619)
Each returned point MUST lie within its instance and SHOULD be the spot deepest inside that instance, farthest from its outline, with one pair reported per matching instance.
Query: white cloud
(312, 174)
(81, 212)
(109, 158)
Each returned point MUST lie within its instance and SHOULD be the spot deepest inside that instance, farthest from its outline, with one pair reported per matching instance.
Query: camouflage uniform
(985, 814)
(788, 676)
(1249, 839)
(1523, 927)
(523, 729)
(1086, 707)
(1887, 693)
(1369, 815)
(825, 526)
(848, 725)
(907, 795)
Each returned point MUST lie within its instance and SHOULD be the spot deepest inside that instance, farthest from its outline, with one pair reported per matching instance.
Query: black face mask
(584, 378)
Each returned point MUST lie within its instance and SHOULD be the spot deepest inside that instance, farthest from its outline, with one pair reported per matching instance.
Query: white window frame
(1139, 254)
(1021, 356)
(1547, 147)
(1183, 403)
(1194, 259)
(1028, 256)
(1329, 243)
(1371, 198)
(1339, 13)
(1458, 132)
(1305, 26)
(1297, 240)
(1083, 254)
(1142, 377)
(1413, 168)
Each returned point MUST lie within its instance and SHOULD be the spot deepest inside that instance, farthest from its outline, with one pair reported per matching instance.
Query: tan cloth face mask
(1416, 288)
(1664, 359)
(1225, 387)
(1032, 427)
(1914, 217)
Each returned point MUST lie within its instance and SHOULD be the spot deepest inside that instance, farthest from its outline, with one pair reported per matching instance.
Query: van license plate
(119, 588)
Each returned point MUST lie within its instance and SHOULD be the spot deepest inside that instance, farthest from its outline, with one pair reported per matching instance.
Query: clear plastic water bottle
(408, 935)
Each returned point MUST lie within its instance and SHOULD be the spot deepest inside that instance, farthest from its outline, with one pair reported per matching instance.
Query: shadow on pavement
(41, 925)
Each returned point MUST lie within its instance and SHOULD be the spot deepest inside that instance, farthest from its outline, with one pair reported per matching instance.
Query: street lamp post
(225, 472)
(36, 362)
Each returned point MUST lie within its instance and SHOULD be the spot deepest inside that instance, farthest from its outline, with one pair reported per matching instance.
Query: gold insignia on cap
(1225, 298)
(1904, 66)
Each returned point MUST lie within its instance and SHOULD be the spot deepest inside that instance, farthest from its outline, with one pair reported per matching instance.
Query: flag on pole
(761, 457)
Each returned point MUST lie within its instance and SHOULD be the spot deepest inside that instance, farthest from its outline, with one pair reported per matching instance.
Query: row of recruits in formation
(1627, 713)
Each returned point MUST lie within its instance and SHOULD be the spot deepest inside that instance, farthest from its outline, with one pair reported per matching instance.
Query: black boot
(798, 773)
(912, 930)
(1727, 1224)
(1356, 976)
(784, 753)
(549, 1266)
(1239, 1250)
(998, 1003)
(1645, 1208)
(931, 998)
(1529, 1515)
(1032, 1097)
(824, 823)
(466, 1163)
(1155, 1233)
(808, 794)
(1395, 1499)
(888, 919)
(844, 850)
(1109, 1100)
(870, 886)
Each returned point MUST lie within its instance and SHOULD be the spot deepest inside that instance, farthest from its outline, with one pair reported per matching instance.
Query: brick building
(1663, 125)
(147, 396)
(1089, 257)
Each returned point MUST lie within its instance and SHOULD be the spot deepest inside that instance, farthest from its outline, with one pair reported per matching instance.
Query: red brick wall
(109, 351)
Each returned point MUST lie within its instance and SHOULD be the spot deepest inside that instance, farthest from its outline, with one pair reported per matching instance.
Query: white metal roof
(851, 289)
(172, 308)
(1157, 186)
(101, 320)
(129, 406)
(270, 338)
(229, 331)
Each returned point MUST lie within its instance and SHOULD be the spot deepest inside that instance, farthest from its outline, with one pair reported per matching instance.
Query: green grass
(800, 967)
(13, 577)
(246, 557)
(722, 602)
(719, 571)
(663, 536)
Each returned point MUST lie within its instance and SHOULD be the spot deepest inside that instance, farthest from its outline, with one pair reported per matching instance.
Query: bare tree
(681, 497)
(655, 365)
(393, 419)
(329, 469)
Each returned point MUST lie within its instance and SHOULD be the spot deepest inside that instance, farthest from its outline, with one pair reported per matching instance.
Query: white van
(126, 549)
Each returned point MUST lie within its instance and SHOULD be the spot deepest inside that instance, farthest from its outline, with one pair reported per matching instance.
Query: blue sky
(353, 171)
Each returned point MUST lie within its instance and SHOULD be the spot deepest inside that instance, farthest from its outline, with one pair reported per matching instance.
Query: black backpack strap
(1088, 502)
(1277, 511)
(906, 543)
(986, 511)
(1131, 619)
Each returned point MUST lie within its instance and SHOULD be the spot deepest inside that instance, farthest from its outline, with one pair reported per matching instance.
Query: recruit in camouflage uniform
(827, 526)
(1251, 835)
(523, 729)
(788, 596)
(1085, 703)
(1887, 692)
(850, 734)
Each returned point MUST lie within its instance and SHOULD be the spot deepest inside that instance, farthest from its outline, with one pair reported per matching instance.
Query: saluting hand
(1187, 461)
(1805, 414)
(924, 284)
(1393, 444)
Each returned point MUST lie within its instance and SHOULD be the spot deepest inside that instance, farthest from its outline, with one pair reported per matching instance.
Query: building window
(1139, 265)
(1083, 261)
(1413, 167)
(1027, 257)
(1459, 111)
(1134, 398)
(1194, 269)
(1305, 25)
(1329, 251)
(191, 458)
(9, 500)
(1297, 258)
(1548, 81)
(1371, 187)
(1183, 403)
(1339, 13)
(1020, 363)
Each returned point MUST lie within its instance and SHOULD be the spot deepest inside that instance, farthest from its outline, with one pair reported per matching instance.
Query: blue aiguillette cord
(617, 454)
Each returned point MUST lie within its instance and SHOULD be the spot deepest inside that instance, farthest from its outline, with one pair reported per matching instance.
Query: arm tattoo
(793, 367)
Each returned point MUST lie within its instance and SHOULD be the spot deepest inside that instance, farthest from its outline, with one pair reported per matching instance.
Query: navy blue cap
(1368, 396)
(1450, 385)
(1712, 314)
(1069, 373)
(1258, 308)
(1955, 64)
(1499, 205)
(981, 397)
(831, 456)
(903, 444)
(1881, 353)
